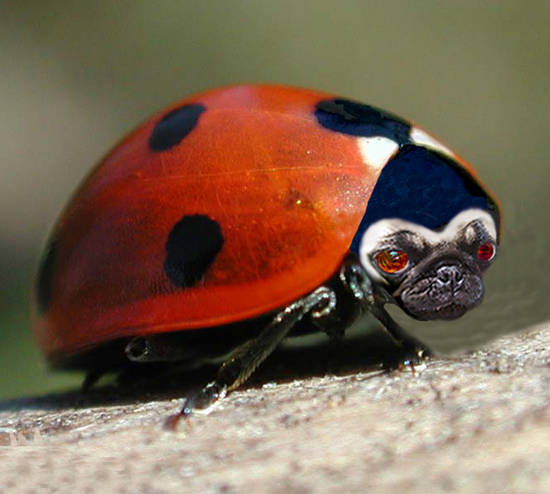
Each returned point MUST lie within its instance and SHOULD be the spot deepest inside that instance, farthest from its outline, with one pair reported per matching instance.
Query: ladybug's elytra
(244, 214)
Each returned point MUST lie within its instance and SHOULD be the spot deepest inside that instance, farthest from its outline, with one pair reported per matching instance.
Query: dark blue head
(429, 229)
(422, 186)
(428, 233)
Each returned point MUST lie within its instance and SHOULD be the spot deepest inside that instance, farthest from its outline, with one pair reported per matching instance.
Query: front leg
(246, 358)
(372, 299)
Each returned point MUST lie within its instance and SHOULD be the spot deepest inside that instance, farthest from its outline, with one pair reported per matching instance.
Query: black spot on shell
(191, 247)
(45, 276)
(358, 119)
(174, 126)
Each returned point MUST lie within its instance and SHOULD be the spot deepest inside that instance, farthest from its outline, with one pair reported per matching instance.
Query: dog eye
(486, 251)
(392, 261)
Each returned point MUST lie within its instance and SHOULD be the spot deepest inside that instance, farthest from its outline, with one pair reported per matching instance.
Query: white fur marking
(371, 241)
(422, 138)
(376, 151)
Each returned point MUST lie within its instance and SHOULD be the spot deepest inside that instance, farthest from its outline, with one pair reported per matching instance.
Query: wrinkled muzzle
(446, 292)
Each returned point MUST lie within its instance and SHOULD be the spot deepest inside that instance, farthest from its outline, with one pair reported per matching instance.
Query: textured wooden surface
(474, 423)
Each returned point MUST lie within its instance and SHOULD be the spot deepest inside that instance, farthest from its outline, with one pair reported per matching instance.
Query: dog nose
(450, 275)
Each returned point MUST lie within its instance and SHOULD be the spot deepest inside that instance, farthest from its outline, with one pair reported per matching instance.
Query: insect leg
(372, 299)
(246, 358)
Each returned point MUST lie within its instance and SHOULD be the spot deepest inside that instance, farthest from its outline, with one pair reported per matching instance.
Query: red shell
(287, 193)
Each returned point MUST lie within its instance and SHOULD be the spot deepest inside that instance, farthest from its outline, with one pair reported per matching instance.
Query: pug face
(432, 274)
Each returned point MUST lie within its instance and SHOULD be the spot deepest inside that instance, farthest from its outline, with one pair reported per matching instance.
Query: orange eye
(486, 251)
(392, 261)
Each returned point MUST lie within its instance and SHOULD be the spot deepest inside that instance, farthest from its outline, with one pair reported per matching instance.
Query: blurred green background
(76, 76)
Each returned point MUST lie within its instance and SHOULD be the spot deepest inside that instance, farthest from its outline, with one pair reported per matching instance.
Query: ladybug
(243, 215)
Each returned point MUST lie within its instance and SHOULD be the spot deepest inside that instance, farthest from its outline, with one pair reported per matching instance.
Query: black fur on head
(443, 286)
